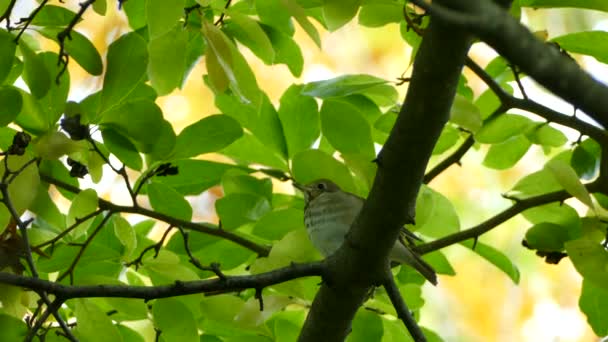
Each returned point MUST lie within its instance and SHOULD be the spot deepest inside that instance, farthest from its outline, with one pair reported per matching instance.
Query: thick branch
(516, 43)
(360, 262)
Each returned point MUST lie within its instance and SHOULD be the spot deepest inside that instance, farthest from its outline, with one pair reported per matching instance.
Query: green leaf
(165, 143)
(590, 43)
(126, 234)
(79, 48)
(234, 210)
(238, 181)
(22, 190)
(54, 144)
(163, 15)
(299, 117)
(545, 135)
(294, 247)
(249, 33)
(548, 237)
(556, 213)
(502, 128)
(165, 312)
(286, 50)
(35, 74)
(590, 259)
(310, 165)
(496, 258)
(168, 201)
(261, 119)
(127, 63)
(274, 13)
(53, 103)
(194, 176)
(505, 154)
(250, 150)
(11, 104)
(567, 178)
(448, 138)
(342, 86)
(379, 14)
(142, 121)
(586, 159)
(345, 128)
(91, 321)
(12, 329)
(32, 118)
(300, 15)
(275, 224)
(82, 205)
(440, 263)
(136, 13)
(167, 59)
(339, 12)
(122, 148)
(7, 54)
(226, 59)
(465, 114)
(592, 302)
(210, 134)
(99, 6)
(435, 214)
(51, 15)
(367, 326)
(536, 183)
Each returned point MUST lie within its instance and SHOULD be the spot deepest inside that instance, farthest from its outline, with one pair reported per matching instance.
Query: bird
(328, 214)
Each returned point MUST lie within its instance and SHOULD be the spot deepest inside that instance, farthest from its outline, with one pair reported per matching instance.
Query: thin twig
(28, 20)
(401, 307)
(205, 228)
(491, 223)
(70, 270)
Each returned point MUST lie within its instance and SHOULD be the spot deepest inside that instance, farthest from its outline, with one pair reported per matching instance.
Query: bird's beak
(300, 187)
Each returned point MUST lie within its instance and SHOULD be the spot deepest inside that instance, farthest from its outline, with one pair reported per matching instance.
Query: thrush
(328, 215)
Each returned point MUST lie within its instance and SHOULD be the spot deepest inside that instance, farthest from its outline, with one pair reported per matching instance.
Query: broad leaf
(163, 15)
(210, 134)
(496, 258)
(35, 74)
(299, 117)
(7, 54)
(127, 63)
(166, 200)
(167, 59)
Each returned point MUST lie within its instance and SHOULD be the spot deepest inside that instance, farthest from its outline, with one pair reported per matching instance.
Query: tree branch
(360, 262)
(402, 310)
(517, 44)
(205, 228)
(518, 207)
(179, 288)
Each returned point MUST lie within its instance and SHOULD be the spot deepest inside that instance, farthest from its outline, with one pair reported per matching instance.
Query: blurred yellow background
(480, 303)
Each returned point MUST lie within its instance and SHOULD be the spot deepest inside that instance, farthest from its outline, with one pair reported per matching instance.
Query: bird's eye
(321, 186)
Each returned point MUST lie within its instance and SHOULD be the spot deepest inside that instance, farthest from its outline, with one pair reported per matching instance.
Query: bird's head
(313, 189)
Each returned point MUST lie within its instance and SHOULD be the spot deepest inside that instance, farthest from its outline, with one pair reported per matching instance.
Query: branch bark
(512, 40)
(359, 263)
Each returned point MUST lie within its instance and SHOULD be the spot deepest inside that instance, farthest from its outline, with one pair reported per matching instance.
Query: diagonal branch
(402, 310)
(205, 228)
(517, 44)
(518, 207)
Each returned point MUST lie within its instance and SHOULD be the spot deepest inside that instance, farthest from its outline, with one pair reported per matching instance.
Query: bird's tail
(405, 255)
